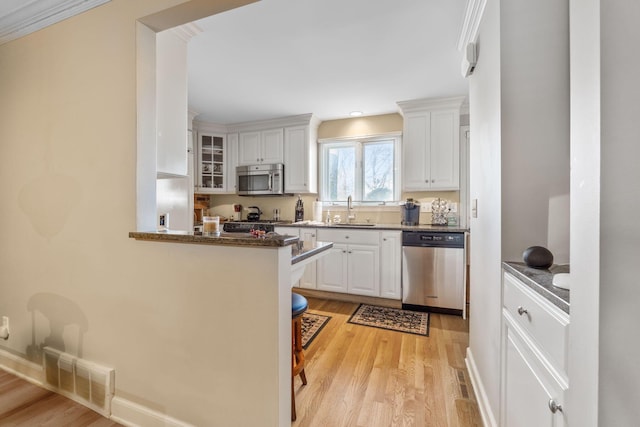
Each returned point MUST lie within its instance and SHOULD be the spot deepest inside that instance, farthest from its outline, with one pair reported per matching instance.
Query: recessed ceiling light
(355, 113)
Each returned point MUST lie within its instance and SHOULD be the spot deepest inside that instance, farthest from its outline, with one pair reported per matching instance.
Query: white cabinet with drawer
(534, 358)
(308, 279)
(353, 263)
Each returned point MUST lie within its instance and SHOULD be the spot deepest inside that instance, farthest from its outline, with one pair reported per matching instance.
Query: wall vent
(85, 382)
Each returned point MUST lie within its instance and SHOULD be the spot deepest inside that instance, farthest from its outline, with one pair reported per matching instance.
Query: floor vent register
(85, 382)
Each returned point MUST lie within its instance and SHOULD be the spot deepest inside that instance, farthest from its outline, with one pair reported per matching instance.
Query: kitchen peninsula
(239, 288)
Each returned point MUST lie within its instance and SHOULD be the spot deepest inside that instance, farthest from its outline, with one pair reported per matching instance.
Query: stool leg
(297, 360)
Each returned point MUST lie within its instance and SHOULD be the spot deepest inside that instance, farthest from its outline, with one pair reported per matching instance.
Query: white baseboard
(486, 413)
(131, 414)
(123, 411)
(22, 368)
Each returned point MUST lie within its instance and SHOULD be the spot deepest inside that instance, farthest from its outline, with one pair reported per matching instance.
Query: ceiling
(278, 58)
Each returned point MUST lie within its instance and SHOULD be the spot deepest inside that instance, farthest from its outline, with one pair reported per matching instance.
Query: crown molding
(35, 15)
(187, 31)
(471, 23)
(430, 104)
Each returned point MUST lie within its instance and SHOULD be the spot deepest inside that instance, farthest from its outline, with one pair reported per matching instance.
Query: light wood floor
(363, 376)
(25, 404)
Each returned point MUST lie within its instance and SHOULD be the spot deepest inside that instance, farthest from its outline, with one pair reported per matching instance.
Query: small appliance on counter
(255, 213)
(410, 213)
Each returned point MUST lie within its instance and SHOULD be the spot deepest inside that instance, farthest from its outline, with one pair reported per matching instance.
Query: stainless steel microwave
(260, 180)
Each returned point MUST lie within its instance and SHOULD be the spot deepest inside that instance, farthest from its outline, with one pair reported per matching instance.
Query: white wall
(619, 378)
(519, 162)
(582, 405)
(534, 61)
(485, 186)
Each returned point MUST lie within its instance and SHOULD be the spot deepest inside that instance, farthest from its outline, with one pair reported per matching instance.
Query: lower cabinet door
(363, 270)
(529, 389)
(332, 269)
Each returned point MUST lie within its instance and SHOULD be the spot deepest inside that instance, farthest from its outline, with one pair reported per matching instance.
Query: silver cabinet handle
(349, 251)
(346, 237)
(522, 311)
(554, 407)
(384, 239)
(344, 252)
(313, 235)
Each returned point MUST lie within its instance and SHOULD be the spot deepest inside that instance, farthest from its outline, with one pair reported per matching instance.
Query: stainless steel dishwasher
(433, 271)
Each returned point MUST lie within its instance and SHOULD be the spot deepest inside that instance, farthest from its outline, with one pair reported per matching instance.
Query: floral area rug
(312, 324)
(413, 322)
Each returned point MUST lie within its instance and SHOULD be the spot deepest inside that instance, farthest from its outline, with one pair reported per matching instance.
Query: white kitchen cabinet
(332, 269)
(352, 266)
(533, 364)
(301, 159)
(390, 264)
(171, 90)
(309, 277)
(211, 159)
(256, 147)
(431, 144)
(232, 162)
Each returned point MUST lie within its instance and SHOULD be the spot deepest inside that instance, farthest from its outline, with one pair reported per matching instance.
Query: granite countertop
(305, 249)
(399, 227)
(541, 281)
(229, 239)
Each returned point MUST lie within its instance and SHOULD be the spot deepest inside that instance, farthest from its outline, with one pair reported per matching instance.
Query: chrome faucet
(350, 216)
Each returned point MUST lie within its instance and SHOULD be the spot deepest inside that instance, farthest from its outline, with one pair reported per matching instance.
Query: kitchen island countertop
(541, 281)
(230, 239)
(305, 249)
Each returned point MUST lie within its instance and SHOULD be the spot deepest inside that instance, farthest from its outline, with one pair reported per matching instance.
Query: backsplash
(222, 205)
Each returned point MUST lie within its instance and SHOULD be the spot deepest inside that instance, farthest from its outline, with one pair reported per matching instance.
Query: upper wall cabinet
(171, 93)
(431, 144)
(289, 140)
(211, 161)
(301, 157)
(261, 147)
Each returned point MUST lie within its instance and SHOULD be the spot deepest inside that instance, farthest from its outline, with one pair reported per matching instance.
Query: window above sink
(365, 168)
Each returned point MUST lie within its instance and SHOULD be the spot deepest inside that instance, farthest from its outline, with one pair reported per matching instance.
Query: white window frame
(358, 142)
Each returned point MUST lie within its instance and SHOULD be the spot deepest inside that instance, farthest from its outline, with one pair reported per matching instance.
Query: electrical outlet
(453, 206)
(425, 205)
(4, 329)
(163, 222)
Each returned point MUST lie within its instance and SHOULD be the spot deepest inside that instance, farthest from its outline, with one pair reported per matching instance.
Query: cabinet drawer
(360, 237)
(547, 325)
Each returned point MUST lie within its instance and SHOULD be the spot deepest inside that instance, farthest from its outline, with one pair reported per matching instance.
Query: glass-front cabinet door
(211, 163)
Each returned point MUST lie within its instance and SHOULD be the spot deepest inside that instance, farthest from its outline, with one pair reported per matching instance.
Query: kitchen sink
(355, 224)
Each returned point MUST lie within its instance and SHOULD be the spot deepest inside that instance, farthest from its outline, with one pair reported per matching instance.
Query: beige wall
(68, 168)
(360, 126)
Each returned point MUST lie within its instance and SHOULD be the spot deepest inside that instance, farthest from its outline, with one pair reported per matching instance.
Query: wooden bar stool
(299, 305)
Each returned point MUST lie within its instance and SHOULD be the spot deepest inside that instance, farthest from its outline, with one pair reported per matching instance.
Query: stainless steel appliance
(433, 271)
(260, 180)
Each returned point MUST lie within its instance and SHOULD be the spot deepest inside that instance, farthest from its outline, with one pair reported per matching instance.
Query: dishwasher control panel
(433, 239)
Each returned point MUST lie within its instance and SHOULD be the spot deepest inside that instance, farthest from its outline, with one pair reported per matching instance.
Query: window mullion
(359, 184)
